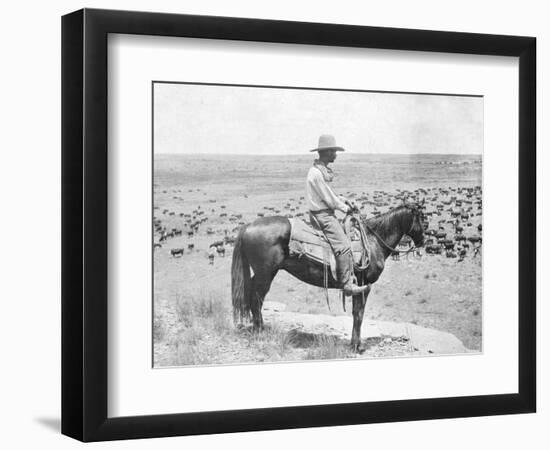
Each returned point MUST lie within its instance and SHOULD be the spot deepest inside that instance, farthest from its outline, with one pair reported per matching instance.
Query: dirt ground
(192, 303)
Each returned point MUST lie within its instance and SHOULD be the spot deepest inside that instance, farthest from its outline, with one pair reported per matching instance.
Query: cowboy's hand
(352, 205)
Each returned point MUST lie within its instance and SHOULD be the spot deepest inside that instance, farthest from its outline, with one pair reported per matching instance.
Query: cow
(448, 244)
(176, 252)
(229, 239)
(450, 254)
(433, 249)
(211, 255)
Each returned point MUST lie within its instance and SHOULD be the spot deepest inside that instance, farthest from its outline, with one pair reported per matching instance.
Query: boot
(343, 275)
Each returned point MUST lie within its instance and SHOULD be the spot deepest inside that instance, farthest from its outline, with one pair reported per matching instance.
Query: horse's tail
(240, 281)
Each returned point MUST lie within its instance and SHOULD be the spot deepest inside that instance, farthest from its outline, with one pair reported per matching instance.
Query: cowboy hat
(327, 142)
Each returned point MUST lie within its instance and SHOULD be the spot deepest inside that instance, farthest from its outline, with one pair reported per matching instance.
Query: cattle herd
(452, 220)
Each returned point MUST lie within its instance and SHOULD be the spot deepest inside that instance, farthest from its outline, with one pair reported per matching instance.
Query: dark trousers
(327, 222)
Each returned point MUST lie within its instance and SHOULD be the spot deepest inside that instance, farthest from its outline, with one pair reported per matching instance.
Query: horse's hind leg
(359, 302)
(260, 287)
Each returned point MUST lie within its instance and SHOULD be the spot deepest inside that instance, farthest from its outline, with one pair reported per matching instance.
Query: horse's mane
(387, 221)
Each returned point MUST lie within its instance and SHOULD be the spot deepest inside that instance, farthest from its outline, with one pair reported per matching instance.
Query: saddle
(310, 243)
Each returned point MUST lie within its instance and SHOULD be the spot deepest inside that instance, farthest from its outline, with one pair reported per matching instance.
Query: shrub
(184, 311)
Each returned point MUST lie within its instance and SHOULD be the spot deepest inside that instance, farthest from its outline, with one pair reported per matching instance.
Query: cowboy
(322, 203)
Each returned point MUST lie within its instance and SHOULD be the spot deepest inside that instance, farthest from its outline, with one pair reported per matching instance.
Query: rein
(365, 258)
(391, 249)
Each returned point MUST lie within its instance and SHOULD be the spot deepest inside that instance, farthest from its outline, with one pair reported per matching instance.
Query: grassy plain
(192, 303)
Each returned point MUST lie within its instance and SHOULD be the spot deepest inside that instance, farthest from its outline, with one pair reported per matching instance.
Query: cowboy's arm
(323, 190)
(349, 203)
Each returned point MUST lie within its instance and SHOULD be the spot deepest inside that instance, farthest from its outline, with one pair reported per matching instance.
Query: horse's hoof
(357, 348)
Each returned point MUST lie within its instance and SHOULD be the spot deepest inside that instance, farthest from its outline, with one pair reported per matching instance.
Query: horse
(263, 245)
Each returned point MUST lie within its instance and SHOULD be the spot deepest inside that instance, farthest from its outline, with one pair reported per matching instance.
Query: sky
(207, 119)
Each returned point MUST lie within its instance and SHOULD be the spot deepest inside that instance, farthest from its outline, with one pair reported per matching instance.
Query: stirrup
(355, 290)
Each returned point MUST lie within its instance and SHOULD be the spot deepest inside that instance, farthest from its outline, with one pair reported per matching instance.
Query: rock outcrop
(412, 338)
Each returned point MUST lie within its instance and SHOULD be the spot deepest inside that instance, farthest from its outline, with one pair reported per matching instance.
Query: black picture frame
(84, 224)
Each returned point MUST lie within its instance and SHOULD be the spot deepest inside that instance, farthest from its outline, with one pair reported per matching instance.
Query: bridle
(361, 222)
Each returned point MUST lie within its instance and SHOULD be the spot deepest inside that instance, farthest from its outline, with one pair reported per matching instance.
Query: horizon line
(306, 154)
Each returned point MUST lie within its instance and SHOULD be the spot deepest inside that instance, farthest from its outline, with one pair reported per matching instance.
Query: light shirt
(319, 195)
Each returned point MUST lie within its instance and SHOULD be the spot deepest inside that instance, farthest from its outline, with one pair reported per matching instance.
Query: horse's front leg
(359, 302)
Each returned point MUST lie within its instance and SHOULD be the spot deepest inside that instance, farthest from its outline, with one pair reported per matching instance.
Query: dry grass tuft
(200, 318)
(273, 342)
(327, 347)
(212, 307)
(186, 344)
(159, 330)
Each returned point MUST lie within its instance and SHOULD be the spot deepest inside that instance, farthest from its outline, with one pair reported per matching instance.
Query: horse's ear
(423, 201)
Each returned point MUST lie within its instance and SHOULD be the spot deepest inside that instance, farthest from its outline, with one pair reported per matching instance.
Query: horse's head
(416, 231)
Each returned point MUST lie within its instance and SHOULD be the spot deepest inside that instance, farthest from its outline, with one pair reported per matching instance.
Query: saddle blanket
(306, 241)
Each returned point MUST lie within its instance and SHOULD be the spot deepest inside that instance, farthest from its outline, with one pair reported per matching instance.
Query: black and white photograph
(300, 224)
(275, 225)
